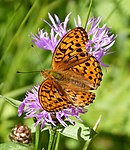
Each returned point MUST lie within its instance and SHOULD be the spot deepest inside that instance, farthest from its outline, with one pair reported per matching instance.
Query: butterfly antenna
(37, 55)
(27, 71)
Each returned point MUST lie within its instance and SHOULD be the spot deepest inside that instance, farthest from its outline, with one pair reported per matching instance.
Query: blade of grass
(89, 11)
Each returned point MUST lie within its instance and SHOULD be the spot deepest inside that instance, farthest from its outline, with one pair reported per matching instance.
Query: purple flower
(99, 44)
(58, 29)
(33, 109)
(100, 38)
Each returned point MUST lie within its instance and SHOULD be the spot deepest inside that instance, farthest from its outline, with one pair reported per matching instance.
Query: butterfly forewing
(73, 43)
(52, 97)
(90, 70)
(71, 54)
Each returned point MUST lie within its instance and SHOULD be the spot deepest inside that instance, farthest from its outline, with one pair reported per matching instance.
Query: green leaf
(14, 146)
(92, 133)
(78, 132)
(12, 101)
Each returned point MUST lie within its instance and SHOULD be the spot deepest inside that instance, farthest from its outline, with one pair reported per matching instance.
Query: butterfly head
(45, 73)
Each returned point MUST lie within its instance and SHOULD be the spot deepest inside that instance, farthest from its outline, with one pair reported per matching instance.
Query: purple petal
(32, 109)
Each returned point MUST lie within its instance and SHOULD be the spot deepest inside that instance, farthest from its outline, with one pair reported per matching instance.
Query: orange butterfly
(74, 72)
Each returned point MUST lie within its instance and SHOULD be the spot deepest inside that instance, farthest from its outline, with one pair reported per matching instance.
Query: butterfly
(74, 73)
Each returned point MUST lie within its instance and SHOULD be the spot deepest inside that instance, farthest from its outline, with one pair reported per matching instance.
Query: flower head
(98, 45)
(33, 109)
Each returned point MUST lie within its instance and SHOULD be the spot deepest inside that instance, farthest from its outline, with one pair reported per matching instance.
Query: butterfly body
(74, 73)
(68, 79)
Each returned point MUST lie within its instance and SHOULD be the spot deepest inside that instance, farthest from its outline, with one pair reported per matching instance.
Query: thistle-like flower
(100, 38)
(98, 45)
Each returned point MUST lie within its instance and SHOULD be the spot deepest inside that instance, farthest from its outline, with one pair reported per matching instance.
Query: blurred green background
(19, 19)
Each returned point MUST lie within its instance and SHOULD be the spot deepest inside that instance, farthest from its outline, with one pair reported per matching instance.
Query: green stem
(51, 139)
(113, 10)
(86, 144)
(92, 135)
(57, 140)
(37, 135)
(89, 10)
(54, 139)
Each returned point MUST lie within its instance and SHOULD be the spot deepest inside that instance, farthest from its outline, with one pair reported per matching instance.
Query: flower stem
(88, 14)
(57, 140)
(37, 137)
(86, 144)
(54, 139)
(92, 135)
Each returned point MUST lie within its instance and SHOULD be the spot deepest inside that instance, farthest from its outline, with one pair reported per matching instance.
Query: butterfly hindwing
(80, 98)
(52, 97)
